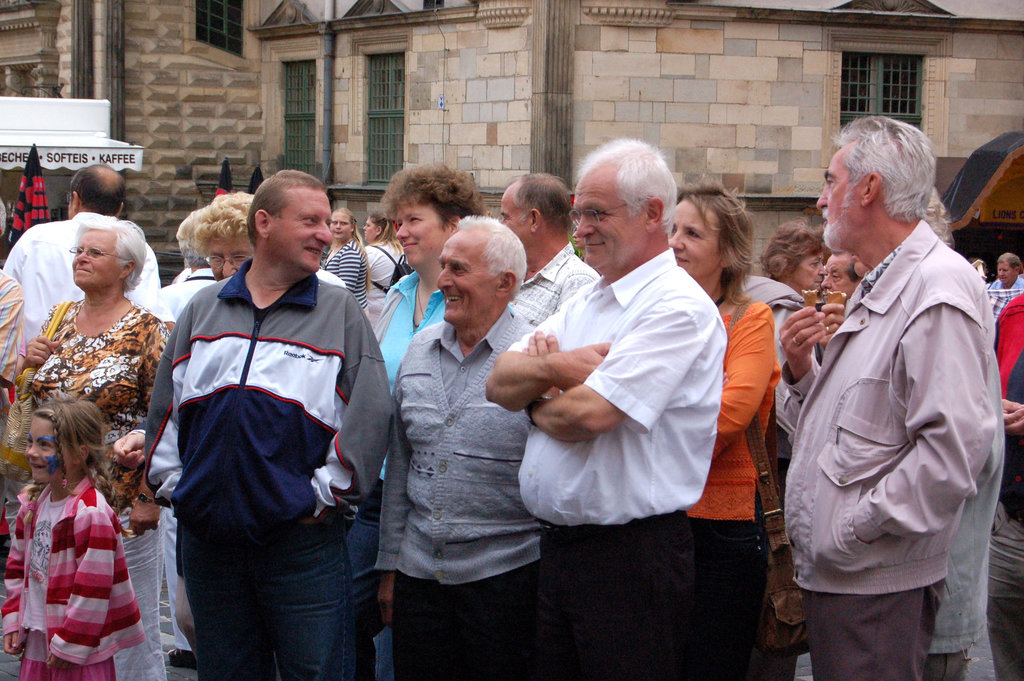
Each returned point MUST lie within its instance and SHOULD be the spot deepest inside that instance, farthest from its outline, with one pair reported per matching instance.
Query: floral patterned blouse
(115, 369)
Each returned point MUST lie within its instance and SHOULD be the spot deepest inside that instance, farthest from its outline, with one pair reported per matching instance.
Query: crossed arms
(567, 410)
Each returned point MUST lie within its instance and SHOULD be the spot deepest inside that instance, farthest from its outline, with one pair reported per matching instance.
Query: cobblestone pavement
(980, 669)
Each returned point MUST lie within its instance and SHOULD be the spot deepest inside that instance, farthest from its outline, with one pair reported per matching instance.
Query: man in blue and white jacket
(270, 414)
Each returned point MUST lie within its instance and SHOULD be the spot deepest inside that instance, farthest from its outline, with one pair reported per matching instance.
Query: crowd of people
(447, 447)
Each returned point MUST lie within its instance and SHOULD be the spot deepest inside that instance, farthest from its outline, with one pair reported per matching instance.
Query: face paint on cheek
(52, 464)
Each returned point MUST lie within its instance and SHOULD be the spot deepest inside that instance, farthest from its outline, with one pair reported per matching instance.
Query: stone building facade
(747, 91)
(189, 104)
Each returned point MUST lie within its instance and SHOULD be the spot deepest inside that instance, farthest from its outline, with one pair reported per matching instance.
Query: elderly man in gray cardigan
(458, 547)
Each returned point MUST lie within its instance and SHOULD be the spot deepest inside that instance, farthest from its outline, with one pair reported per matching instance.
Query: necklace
(421, 306)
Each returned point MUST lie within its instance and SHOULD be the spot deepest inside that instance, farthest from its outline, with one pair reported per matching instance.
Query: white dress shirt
(664, 370)
(175, 297)
(41, 262)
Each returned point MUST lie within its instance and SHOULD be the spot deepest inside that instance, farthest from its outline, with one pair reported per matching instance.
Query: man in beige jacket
(895, 424)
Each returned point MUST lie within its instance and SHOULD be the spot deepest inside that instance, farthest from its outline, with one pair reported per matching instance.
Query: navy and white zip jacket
(255, 423)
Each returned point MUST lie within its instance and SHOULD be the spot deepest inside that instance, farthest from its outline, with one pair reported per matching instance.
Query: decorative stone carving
(288, 13)
(503, 13)
(369, 8)
(896, 6)
(630, 16)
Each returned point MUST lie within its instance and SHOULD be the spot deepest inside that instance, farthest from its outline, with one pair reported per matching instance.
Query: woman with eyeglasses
(346, 257)
(712, 238)
(221, 233)
(106, 350)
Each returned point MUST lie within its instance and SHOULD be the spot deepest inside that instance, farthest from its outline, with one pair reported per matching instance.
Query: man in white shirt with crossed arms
(623, 385)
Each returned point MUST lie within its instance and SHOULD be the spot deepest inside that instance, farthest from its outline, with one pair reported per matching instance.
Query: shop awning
(69, 133)
(989, 190)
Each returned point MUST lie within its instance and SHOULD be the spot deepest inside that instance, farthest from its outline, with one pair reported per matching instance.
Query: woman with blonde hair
(384, 254)
(713, 240)
(346, 257)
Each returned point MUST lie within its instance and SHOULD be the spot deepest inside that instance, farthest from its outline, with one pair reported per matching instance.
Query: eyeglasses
(93, 253)
(591, 215)
(235, 260)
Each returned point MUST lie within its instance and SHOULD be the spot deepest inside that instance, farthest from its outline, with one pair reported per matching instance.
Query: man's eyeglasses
(235, 260)
(591, 216)
(93, 253)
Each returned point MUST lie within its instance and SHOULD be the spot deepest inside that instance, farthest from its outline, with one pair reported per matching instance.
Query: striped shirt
(11, 314)
(349, 265)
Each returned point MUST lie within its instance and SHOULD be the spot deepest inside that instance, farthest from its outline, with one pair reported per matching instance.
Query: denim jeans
(730, 574)
(288, 602)
(363, 540)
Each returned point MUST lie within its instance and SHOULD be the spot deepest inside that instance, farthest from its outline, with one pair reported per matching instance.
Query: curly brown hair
(452, 193)
(793, 241)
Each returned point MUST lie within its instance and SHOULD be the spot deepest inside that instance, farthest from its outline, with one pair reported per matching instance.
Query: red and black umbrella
(256, 180)
(31, 208)
(224, 183)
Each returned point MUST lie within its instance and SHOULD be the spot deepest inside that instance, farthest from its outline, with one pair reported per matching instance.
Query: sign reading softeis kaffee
(69, 133)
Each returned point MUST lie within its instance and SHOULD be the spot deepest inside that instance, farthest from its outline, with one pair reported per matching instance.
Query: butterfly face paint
(52, 460)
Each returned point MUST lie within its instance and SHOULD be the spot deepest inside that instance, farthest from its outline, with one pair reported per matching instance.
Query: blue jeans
(288, 602)
(371, 643)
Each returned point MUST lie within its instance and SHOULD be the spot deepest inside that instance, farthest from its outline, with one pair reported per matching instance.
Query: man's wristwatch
(532, 405)
(144, 498)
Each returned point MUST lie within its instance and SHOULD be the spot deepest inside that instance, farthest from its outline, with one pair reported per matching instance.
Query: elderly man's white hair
(131, 242)
(642, 174)
(504, 251)
(900, 154)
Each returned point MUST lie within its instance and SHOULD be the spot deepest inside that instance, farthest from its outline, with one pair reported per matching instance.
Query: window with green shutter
(300, 115)
(219, 23)
(385, 112)
(882, 84)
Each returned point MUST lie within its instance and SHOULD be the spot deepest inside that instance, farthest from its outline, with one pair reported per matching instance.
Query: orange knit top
(751, 370)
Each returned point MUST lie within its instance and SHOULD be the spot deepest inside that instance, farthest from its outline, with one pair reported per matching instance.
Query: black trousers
(478, 631)
(614, 601)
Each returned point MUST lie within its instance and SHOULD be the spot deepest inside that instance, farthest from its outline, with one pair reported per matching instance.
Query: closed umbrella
(224, 183)
(31, 208)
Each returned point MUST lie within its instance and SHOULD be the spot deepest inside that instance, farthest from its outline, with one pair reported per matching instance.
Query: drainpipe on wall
(328, 90)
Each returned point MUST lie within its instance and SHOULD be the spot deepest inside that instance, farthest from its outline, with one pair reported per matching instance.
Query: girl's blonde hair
(357, 235)
(77, 425)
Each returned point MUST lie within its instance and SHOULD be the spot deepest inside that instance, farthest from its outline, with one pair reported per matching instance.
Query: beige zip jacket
(893, 427)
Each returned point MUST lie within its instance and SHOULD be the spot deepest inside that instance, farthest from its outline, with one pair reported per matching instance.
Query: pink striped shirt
(91, 611)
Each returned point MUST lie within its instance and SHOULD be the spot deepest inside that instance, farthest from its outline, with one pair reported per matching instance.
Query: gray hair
(504, 251)
(642, 174)
(900, 154)
(1010, 259)
(131, 242)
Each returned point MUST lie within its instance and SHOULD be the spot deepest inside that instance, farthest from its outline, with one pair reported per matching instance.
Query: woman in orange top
(713, 241)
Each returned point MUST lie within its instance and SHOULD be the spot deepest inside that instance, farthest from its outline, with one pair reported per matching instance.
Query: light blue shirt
(395, 337)
(1018, 284)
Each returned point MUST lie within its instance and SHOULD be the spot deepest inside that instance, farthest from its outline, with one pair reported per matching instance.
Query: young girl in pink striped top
(70, 605)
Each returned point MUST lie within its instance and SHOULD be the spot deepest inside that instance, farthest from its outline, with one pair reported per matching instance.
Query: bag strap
(58, 318)
(767, 486)
(394, 264)
(385, 252)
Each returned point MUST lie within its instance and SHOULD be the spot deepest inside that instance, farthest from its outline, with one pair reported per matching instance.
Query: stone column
(551, 70)
(81, 49)
(115, 66)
